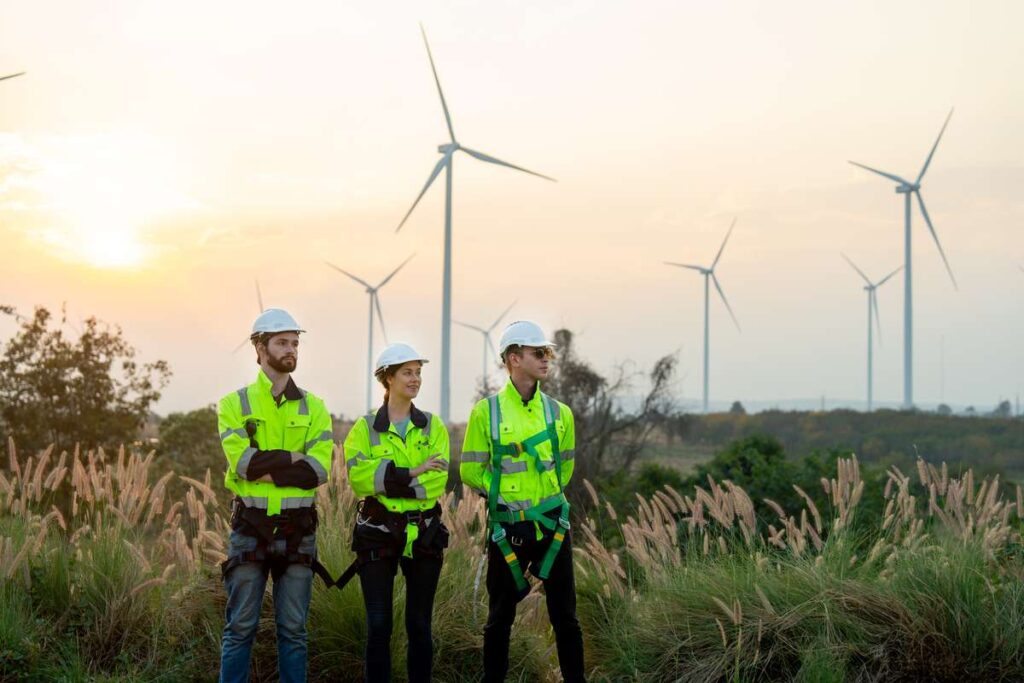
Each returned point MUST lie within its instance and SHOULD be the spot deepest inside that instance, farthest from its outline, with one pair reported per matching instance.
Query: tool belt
(381, 534)
(290, 526)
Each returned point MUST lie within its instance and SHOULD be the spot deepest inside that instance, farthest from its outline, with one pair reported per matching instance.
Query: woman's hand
(434, 464)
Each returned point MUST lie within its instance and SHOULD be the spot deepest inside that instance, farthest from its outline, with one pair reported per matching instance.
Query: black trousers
(559, 591)
(378, 582)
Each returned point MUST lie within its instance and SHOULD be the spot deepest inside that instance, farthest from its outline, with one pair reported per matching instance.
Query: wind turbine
(871, 288)
(4, 78)
(709, 276)
(448, 151)
(907, 188)
(374, 293)
(259, 303)
(488, 343)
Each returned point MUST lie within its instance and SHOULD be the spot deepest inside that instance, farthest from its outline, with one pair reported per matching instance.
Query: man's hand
(434, 464)
(266, 478)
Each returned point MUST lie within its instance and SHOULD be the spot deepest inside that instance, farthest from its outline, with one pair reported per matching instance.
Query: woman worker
(397, 461)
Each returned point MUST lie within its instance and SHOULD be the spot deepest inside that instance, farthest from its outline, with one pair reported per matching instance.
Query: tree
(1004, 409)
(60, 390)
(189, 440)
(608, 438)
(944, 409)
(737, 409)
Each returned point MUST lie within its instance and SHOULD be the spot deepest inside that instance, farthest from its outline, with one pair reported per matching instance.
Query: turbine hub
(448, 147)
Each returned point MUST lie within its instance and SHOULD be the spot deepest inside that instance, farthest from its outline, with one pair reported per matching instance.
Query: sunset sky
(157, 158)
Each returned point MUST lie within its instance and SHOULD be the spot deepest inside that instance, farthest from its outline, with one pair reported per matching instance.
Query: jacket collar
(382, 423)
(291, 391)
(514, 395)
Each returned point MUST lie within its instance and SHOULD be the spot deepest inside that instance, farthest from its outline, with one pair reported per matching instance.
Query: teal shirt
(402, 426)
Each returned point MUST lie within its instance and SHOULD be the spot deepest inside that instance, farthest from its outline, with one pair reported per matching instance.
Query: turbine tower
(448, 151)
(709, 277)
(488, 343)
(907, 188)
(871, 288)
(374, 306)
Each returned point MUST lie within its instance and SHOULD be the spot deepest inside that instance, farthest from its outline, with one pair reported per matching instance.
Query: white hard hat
(522, 333)
(274, 320)
(396, 354)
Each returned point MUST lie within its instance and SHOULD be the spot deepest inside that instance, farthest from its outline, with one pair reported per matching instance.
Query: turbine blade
(259, 297)
(380, 316)
(491, 160)
(444, 104)
(722, 248)
(495, 324)
(433, 174)
(239, 347)
(854, 266)
(878, 321)
(4, 78)
(886, 278)
(928, 161)
(385, 280)
(684, 265)
(931, 228)
(364, 283)
(726, 302)
(472, 327)
(890, 176)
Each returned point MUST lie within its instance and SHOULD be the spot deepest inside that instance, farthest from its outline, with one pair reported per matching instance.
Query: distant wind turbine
(261, 308)
(709, 276)
(907, 188)
(488, 343)
(448, 151)
(374, 293)
(871, 288)
(4, 78)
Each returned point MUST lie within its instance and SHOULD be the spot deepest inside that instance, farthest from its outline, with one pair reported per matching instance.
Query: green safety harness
(535, 513)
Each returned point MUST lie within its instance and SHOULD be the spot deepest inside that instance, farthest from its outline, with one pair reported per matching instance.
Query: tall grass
(109, 572)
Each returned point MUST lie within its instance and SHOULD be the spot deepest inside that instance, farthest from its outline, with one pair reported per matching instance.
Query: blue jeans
(246, 585)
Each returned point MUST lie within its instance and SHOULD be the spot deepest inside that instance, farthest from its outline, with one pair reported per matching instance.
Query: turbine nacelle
(907, 189)
(449, 148)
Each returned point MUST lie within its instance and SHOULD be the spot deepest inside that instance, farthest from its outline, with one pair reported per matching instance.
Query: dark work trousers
(559, 590)
(378, 582)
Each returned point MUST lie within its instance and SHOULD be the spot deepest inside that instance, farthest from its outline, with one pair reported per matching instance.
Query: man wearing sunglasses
(518, 454)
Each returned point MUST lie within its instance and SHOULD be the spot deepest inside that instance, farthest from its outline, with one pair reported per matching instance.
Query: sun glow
(102, 197)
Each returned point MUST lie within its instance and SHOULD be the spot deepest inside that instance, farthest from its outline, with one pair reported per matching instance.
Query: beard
(286, 364)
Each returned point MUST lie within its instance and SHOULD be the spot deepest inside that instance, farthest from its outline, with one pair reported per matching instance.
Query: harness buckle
(518, 448)
(515, 540)
(414, 517)
(498, 535)
(564, 523)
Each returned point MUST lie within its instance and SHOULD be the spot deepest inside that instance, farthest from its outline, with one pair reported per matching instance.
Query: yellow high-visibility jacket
(378, 460)
(290, 439)
(527, 478)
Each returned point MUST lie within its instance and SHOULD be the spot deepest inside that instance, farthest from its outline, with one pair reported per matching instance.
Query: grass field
(110, 574)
